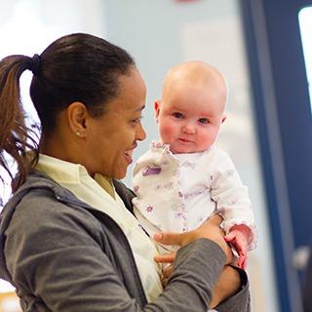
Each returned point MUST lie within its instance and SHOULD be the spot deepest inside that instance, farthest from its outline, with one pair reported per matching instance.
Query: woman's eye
(177, 115)
(137, 120)
(203, 121)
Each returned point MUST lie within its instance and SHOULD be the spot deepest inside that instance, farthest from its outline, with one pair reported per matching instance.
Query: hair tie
(35, 64)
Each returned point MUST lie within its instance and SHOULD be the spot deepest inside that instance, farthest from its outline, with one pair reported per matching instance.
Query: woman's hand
(209, 229)
(167, 261)
(166, 273)
(229, 280)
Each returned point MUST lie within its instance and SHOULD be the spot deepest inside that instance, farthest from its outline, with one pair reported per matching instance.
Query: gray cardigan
(63, 255)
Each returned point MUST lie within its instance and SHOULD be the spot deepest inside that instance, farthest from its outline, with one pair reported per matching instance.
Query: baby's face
(189, 117)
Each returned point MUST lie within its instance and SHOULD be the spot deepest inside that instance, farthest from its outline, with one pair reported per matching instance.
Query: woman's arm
(55, 256)
(231, 288)
(228, 284)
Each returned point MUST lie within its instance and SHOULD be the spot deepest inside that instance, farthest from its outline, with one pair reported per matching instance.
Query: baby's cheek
(167, 132)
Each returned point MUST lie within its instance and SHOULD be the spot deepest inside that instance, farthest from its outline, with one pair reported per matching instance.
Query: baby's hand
(238, 237)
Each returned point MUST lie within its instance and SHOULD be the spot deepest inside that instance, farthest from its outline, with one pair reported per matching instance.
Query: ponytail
(77, 67)
(15, 137)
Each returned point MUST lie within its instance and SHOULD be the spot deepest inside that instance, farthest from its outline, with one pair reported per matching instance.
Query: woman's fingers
(181, 239)
(209, 229)
(216, 219)
(167, 271)
(165, 258)
(169, 238)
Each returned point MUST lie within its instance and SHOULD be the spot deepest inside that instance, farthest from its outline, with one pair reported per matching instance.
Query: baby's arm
(234, 205)
(238, 237)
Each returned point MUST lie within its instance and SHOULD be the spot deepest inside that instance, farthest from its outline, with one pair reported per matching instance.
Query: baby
(183, 179)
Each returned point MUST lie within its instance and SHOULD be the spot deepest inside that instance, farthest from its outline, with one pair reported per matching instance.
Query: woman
(69, 240)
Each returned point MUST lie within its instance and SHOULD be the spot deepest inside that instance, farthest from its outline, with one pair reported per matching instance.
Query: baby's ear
(157, 108)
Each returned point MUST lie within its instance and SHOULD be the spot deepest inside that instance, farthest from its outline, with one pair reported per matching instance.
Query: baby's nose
(189, 128)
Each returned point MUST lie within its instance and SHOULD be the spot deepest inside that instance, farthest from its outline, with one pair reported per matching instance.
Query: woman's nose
(140, 133)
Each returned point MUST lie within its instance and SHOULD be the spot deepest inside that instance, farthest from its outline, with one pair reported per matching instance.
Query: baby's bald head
(199, 75)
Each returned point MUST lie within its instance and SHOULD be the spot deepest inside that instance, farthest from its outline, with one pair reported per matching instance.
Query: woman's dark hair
(77, 67)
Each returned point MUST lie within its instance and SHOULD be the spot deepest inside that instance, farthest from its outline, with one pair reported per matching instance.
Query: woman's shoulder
(41, 202)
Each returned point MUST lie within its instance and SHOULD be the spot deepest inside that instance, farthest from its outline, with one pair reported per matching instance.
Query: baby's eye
(203, 121)
(177, 115)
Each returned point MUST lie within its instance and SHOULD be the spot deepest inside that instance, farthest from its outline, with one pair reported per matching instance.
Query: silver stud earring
(78, 133)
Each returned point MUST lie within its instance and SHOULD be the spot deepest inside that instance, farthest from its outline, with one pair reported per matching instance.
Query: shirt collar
(60, 170)
(64, 172)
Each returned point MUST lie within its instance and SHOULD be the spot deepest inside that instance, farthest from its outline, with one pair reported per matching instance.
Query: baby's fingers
(229, 237)
(242, 261)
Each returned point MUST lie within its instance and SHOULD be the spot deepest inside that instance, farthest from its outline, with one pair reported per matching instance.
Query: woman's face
(113, 136)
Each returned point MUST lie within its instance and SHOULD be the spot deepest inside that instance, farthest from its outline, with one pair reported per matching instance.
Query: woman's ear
(77, 115)
(157, 108)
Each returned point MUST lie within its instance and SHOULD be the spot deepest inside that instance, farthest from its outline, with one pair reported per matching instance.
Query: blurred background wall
(160, 34)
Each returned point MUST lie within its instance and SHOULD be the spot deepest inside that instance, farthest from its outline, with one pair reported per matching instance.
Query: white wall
(27, 27)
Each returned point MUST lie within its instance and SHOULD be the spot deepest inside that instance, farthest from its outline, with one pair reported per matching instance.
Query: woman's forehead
(132, 93)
